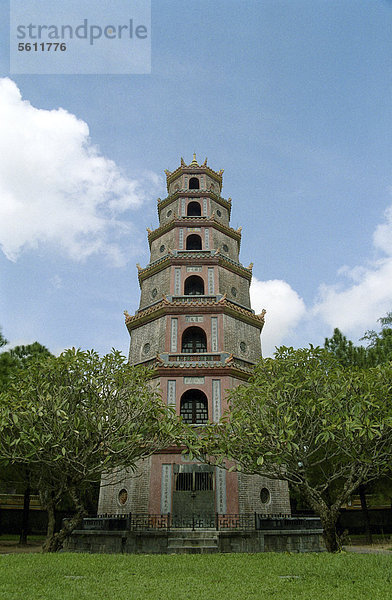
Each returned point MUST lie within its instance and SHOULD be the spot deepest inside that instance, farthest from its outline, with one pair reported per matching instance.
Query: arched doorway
(193, 489)
(194, 286)
(194, 407)
(193, 242)
(194, 183)
(194, 341)
(193, 496)
(193, 209)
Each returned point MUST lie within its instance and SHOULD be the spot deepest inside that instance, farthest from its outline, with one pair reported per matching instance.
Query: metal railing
(196, 357)
(199, 298)
(217, 521)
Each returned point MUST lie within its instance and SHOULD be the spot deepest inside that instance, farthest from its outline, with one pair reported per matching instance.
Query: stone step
(193, 549)
(180, 533)
(191, 542)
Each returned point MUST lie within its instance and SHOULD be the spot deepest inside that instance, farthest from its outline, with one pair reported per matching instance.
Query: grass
(198, 577)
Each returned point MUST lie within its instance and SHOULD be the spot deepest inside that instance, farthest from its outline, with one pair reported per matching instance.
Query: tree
(3, 341)
(4, 364)
(11, 362)
(71, 418)
(18, 358)
(379, 347)
(378, 351)
(344, 350)
(304, 418)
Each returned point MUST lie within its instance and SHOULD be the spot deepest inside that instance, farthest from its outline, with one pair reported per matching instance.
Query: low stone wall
(271, 541)
(156, 542)
(118, 542)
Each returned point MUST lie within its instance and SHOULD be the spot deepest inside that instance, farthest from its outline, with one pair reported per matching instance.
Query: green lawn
(187, 577)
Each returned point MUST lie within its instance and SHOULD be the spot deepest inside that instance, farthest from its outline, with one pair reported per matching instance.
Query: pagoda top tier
(193, 169)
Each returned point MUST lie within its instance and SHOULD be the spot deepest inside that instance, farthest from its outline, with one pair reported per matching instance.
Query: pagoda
(195, 327)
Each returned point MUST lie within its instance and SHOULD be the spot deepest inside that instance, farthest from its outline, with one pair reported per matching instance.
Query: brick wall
(137, 485)
(228, 280)
(236, 332)
(161, 282)
(168, 240)
(219, 240)
(249, 487)
(152, 333)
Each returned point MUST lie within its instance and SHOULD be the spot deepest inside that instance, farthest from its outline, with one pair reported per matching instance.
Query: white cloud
(357, 303)
(284, 311)
(56, 187)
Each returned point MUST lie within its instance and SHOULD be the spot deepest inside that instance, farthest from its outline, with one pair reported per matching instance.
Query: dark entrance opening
(194, 482)
(193, 242)
(193, 209)
(194, 183)
(194, 286)
(194, 407)
(193, 496)
(194, 341)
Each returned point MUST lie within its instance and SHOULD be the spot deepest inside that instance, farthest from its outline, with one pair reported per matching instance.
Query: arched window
(194, 286)
(193, 209)
(194, 407)
(194, 183)
(193, 242)
(194, 341)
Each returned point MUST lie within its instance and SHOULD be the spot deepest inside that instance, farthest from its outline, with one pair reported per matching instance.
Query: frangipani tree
(304, 418)
(71, 418)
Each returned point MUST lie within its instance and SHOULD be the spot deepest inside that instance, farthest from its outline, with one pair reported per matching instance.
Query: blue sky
(291, 97)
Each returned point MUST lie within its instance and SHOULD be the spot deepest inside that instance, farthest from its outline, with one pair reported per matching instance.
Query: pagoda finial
(194, 161)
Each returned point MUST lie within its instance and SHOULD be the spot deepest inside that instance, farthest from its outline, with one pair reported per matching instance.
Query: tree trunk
(25, 515)
(329, 519)
(50, 509)
(55, 541)
(365, 512)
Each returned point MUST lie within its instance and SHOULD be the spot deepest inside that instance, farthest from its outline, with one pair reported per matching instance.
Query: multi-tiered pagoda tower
(195, 326)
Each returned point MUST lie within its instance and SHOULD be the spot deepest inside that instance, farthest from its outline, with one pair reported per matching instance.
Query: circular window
(122, 496)
(265, 495)
(225, 248)
(242, 346)
(169, 212)
(162, 248)
(218, 212)
(234, 291)
(146, 348)
(154, 292)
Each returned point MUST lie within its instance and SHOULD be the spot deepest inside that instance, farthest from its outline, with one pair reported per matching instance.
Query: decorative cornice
(231, 366)
(186, 369)
(167, 370)
(181, 257)
(199, 305)
(193, 194)
(196, 221)
(194, 167)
